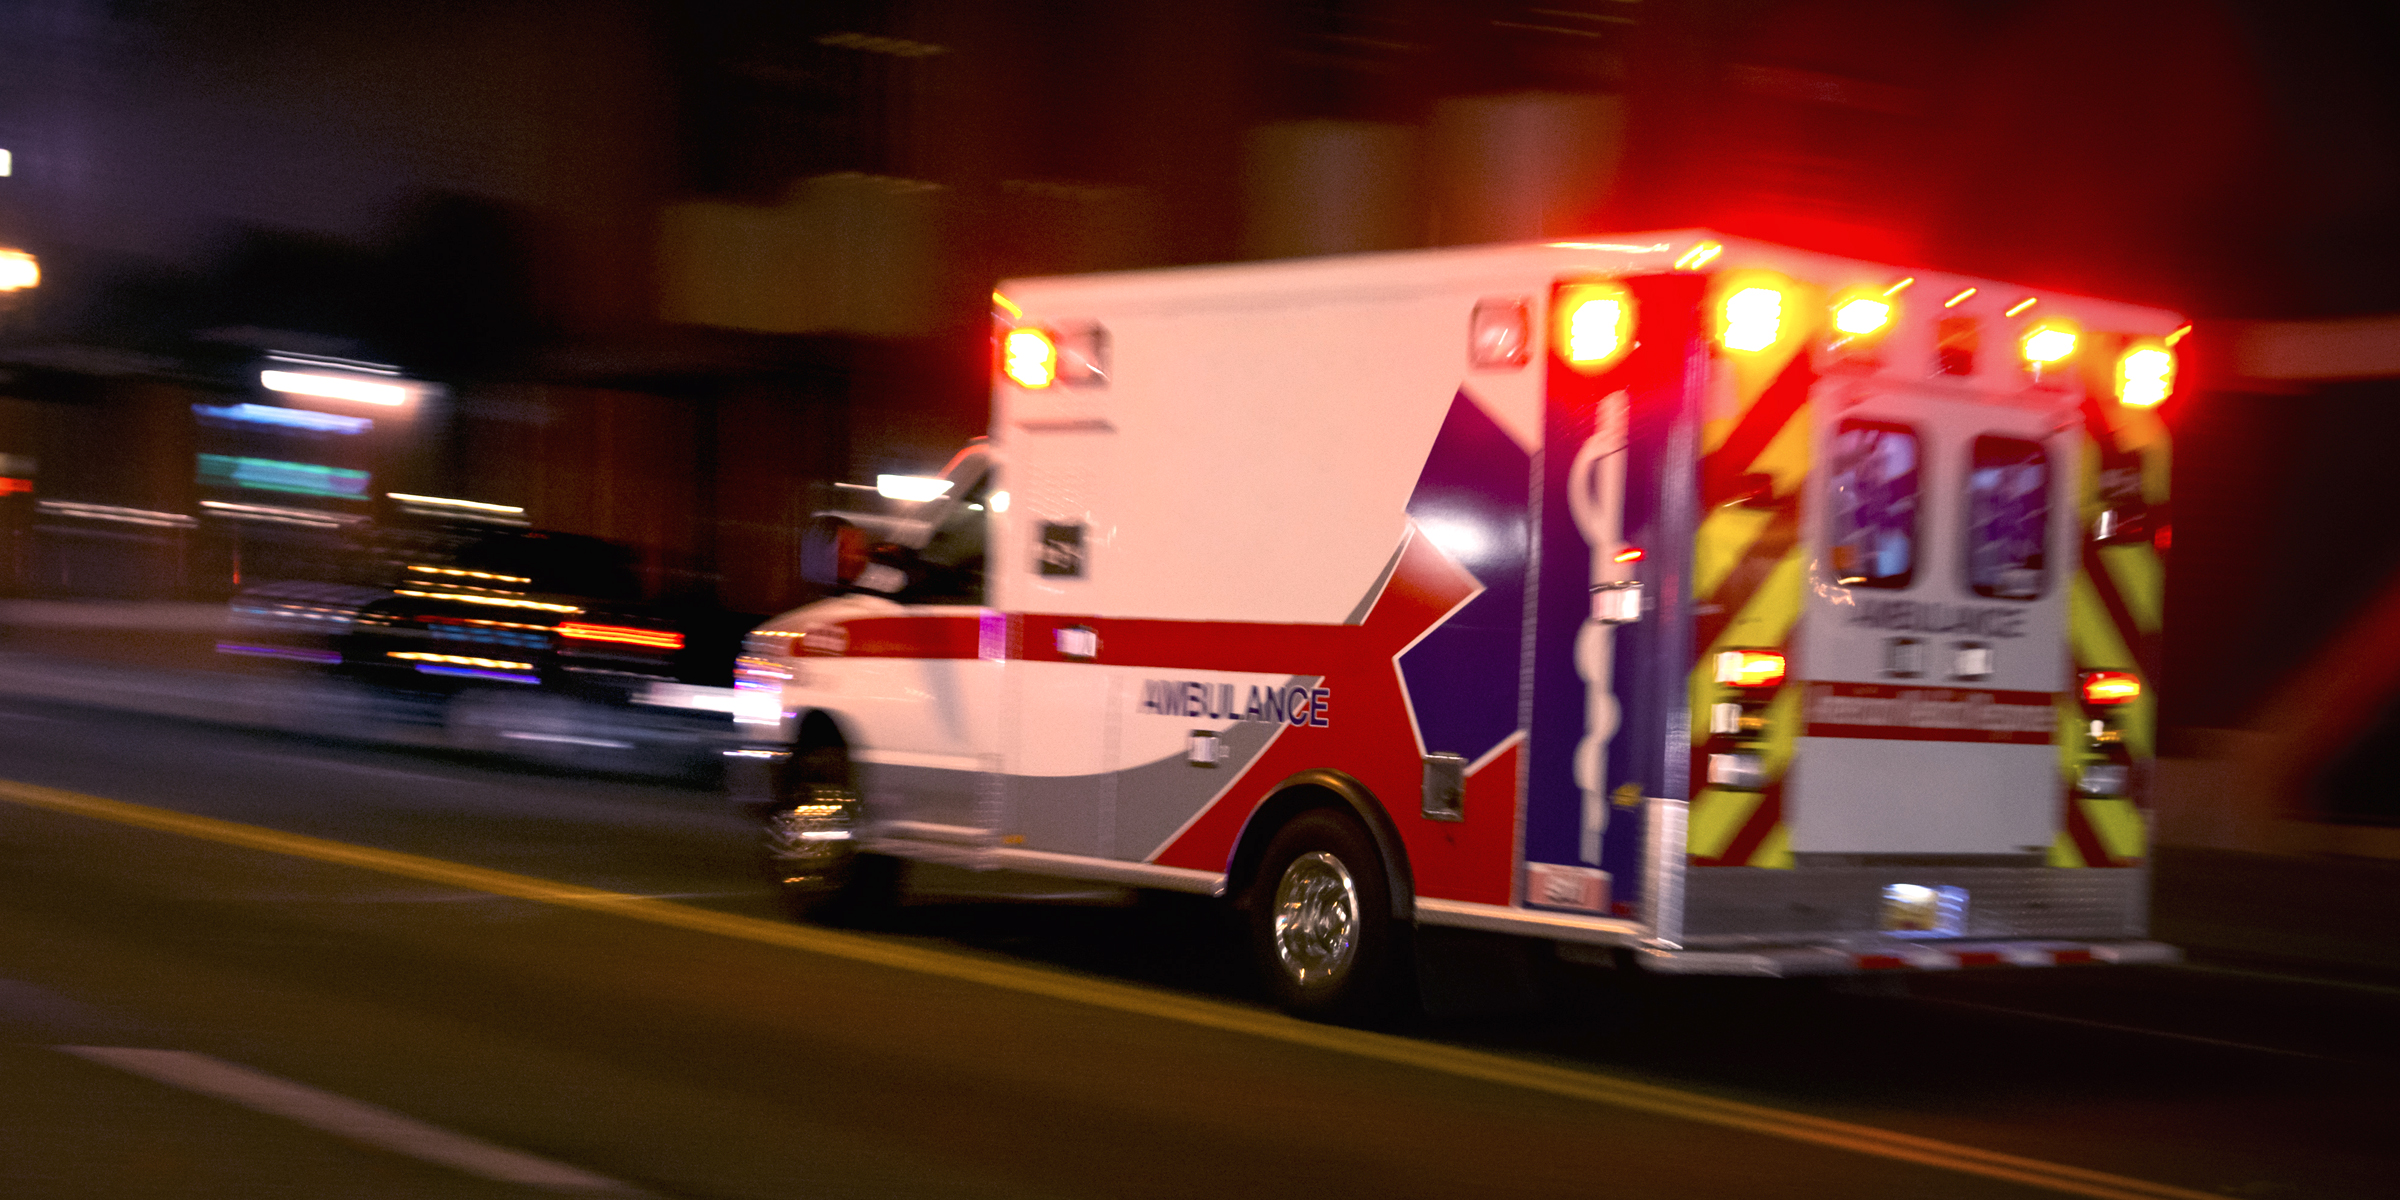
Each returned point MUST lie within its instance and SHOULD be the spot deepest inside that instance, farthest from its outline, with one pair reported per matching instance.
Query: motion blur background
(674, 269)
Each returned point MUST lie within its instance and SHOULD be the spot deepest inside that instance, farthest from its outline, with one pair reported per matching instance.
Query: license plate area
(1920, 910)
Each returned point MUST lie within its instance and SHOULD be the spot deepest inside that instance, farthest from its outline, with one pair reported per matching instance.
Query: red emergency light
(2111, 687)
(1750, 668)
(1594, 325)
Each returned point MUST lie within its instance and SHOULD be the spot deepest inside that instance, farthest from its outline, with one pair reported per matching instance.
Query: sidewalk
(2320, 915)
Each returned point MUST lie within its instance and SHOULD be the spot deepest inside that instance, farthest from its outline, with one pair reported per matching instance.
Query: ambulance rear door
(1932, 645)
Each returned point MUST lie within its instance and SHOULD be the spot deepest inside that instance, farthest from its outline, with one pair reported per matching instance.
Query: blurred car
(500, 628)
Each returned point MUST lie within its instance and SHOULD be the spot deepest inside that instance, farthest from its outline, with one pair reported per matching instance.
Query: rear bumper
(1881, 955)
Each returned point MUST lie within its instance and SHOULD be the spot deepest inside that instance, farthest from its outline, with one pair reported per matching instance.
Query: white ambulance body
(1726, 607)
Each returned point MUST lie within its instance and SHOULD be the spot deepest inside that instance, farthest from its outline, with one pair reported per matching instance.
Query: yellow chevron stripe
(2141, 582)
(1726, 535)
(2097, 646)
(2119, 824)
(2063, 852)
(1776, 850)
(1786, 455)
(1716, 815)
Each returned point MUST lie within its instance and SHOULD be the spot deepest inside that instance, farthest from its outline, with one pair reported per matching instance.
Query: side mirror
(833, 551)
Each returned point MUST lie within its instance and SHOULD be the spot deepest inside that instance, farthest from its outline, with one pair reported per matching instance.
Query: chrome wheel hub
(1316, 919)
(808, 842)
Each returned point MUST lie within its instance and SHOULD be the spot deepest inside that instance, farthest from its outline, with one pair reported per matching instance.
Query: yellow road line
(1210, 1014)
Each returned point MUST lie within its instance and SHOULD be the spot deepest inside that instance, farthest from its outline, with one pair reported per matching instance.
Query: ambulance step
(1868, 958)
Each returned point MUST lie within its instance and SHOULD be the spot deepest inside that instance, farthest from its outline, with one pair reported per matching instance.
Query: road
(315, 969)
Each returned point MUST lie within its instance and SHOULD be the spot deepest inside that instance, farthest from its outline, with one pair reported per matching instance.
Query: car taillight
(661, 639)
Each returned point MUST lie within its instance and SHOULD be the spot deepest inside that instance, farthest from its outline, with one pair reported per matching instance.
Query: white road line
(349, 1119)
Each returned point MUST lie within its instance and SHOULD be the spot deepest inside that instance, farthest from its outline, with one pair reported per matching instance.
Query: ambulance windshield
(2008, 518)
(1871, 534)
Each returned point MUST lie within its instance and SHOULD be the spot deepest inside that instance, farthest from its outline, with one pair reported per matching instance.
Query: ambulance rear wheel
(1321, 921)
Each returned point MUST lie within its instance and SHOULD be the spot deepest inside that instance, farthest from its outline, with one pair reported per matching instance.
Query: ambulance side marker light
(1595, 325)
(1750, 668)
(2111, 687)
(1628, 554)
(1753, 319)
(1029, 358)
(2145, 376)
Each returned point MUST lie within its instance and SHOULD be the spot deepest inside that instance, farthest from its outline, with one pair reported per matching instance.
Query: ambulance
(1698, 605)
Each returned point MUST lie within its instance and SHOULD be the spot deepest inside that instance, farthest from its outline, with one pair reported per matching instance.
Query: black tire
(808, 844)
(1321, 925)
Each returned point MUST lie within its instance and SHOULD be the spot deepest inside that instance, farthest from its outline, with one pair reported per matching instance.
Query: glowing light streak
(2021, 306)
(911, 487)
(661, 639)
(1962, 297)
(1699, 256)
(494, 601)
(334, 387)
(460, 660)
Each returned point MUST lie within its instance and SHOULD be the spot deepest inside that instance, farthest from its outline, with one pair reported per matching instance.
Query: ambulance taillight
(1750, 668)
(1029, 357)
(2145, 375)
(2104, 688)
(1595, 325)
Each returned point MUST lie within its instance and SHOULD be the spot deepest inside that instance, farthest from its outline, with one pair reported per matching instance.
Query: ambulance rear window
(2008, 518)
(1872, 508)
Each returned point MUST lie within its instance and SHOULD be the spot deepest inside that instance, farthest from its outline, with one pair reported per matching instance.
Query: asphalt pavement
(239, 962)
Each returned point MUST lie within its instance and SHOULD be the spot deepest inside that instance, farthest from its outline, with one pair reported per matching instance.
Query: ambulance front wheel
(808, 844)
(1321, 921)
